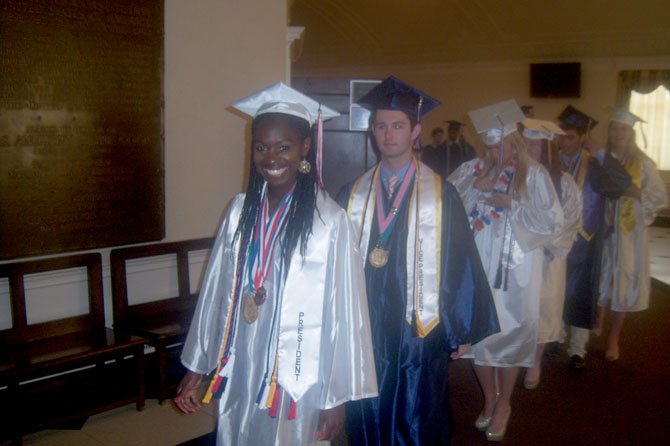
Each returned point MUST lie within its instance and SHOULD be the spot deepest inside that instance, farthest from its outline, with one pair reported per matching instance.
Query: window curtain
(646, 93)
(640, 81)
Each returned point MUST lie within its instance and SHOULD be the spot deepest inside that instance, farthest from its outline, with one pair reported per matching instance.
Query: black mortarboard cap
(454, 125)
(573, 118)
(394, 94)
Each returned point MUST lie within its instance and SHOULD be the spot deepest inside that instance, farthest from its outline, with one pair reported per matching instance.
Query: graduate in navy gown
(427, 291)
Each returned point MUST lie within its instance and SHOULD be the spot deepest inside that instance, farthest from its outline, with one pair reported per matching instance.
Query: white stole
(424, 240)
(300, 324)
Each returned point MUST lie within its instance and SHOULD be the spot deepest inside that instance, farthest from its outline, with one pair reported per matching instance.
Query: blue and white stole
(424, 240)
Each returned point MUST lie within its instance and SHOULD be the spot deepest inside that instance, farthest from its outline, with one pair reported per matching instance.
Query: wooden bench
(67, 368)
(163, 322)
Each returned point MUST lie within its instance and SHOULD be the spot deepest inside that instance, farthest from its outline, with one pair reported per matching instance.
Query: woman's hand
(484, 184)
(462, 349)
(188, 395)
(632, 191)
(499, 200)
(330, 424)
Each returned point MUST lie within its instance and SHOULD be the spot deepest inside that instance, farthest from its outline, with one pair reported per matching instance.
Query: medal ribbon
(386, 222)
(479, 217)
(424, 229)
(265, 235)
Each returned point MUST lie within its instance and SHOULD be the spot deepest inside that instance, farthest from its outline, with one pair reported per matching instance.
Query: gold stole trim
(580, 179)
(627, 220)
(425, 230)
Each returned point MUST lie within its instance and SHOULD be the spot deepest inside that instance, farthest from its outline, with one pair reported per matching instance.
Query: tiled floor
(163, 426)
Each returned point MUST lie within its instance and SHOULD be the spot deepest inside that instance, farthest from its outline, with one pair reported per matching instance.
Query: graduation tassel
(498, 282)
(274, 407)
(588, 131)
(319, 148)
(644, 137)
(292, 411)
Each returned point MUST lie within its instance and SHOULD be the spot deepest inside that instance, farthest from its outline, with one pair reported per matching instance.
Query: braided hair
(300, 215)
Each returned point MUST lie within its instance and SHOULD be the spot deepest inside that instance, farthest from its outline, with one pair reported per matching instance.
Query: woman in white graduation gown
(514, 212)
(538, 136)
(625, 280)
(282, 320)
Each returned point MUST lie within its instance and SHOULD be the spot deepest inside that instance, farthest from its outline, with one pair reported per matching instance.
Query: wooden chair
(163, 322)
(68, 368)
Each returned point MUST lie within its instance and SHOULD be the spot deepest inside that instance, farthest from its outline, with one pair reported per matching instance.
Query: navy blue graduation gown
(607, 179)
(413, 405)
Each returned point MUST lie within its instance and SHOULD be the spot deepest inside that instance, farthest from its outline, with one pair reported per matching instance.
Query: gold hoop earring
(304, 167)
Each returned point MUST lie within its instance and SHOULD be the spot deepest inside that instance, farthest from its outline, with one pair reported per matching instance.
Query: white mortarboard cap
(625, 117)
(496, 121)
(280, 98)
(540, 129)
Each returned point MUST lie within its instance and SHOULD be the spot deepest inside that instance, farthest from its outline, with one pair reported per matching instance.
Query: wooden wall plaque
(81, 124)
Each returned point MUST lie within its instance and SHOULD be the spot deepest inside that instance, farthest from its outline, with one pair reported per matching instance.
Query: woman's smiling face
(278, 147)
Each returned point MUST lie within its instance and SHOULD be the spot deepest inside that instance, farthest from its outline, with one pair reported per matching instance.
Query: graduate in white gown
(539, 137)
(625, 280)
(282, 321)
(514, 213)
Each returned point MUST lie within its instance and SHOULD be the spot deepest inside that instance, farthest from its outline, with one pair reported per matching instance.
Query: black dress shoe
(554, 350)
(577, 362)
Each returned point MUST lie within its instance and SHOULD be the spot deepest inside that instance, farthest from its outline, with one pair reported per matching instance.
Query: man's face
(438, 138)
(571, 142)
(394, 134)
(454, 133)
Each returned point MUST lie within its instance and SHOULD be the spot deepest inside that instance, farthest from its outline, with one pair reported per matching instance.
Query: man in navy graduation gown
(428, 295)
(597, 179)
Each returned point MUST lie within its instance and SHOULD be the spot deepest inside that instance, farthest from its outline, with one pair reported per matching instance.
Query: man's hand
(188, 395)
(330, 424)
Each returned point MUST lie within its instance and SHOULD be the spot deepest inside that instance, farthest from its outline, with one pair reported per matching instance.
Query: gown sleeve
(536, 217)
(572, 211)
(612, 179)
(462, 179)
(203, 342)
(467, 309)
(653, 196)
(348, 370)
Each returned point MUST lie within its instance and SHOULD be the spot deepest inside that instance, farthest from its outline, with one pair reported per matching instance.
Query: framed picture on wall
(359, 116)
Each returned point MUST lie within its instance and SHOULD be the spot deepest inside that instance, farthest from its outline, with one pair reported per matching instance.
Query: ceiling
(369, 33)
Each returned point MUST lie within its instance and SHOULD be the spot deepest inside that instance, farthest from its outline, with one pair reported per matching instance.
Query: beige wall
(463, 87)
(216, 51)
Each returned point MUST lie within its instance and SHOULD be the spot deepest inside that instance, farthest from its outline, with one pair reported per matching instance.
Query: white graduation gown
(625, 281)
(552, 295)
(321, 335)
(535, 220)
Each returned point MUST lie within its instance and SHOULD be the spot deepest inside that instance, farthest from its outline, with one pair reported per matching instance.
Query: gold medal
(259, 296)
(378, 257)
(250, 309)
